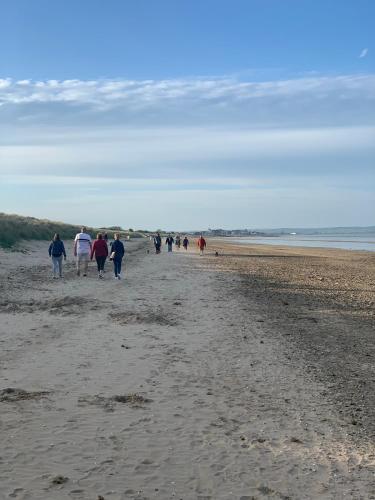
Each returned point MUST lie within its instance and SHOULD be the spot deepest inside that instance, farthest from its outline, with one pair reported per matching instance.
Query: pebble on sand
(59, 479)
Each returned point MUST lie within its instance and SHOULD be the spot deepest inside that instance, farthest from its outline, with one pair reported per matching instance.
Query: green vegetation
(14, 228)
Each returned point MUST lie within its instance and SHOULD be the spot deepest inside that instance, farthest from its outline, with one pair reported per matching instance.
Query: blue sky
(254, 113)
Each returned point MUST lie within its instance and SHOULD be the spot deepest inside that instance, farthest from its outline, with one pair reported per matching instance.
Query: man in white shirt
(82, 250)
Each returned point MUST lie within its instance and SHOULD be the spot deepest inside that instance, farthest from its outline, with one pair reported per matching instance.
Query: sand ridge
(173, 383)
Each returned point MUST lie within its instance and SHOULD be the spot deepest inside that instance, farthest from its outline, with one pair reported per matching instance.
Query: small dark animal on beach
(216, 254)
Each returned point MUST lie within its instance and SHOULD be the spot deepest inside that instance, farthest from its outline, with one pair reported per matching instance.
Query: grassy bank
(14, 228)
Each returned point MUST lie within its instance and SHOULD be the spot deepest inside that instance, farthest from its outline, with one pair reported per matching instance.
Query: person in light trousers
(56, 251)
(82, 250)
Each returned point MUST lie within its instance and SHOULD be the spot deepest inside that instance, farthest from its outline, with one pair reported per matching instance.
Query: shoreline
(285, 245)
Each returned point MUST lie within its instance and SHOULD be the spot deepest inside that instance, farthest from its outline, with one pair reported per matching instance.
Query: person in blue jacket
(56, 251)
(116, 255)
(157, 243)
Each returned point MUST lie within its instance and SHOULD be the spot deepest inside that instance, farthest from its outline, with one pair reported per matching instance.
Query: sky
(188, 115)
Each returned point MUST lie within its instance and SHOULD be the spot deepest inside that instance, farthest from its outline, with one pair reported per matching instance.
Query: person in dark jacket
(169, 242)
(157, 242)
(56, 251)
(117, 254)
(178, 242)
(185, 243)
(100, 250)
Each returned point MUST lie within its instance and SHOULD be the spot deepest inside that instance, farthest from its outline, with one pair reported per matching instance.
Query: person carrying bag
(117, 254)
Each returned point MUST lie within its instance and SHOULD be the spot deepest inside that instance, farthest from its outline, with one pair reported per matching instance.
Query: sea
(342, 238)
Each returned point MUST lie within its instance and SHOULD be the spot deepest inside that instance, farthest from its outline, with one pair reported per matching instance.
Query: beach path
(168, 384)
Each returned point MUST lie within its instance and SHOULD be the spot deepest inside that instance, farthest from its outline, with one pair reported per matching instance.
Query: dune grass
(15, 228)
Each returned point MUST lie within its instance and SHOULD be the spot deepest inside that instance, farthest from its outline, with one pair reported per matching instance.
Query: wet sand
(247, 375)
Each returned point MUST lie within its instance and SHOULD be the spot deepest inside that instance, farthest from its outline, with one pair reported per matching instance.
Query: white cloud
(363, 53)
(5, 83)
(106, 94)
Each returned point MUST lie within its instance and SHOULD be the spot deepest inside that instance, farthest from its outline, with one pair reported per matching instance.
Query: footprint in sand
(15, 492)
(11, 395)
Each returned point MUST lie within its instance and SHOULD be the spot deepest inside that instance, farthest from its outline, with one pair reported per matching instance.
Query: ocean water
(322, 241)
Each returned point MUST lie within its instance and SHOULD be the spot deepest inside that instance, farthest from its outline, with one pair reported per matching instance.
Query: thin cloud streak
(363, 53)
(129, 150)
(132, 183)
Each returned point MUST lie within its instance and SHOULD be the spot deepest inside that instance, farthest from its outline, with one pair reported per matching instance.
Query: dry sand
(248, 375)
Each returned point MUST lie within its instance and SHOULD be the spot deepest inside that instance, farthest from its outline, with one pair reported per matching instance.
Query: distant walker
(201, 244)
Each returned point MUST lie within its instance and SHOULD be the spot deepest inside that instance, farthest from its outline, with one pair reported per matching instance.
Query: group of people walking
(85, 250)
(170, 241)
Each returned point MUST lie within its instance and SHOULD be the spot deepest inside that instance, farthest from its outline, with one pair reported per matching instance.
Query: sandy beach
(247, 375)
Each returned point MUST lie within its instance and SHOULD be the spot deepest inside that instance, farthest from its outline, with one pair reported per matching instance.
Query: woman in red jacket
(100, 250)
(201, 244)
